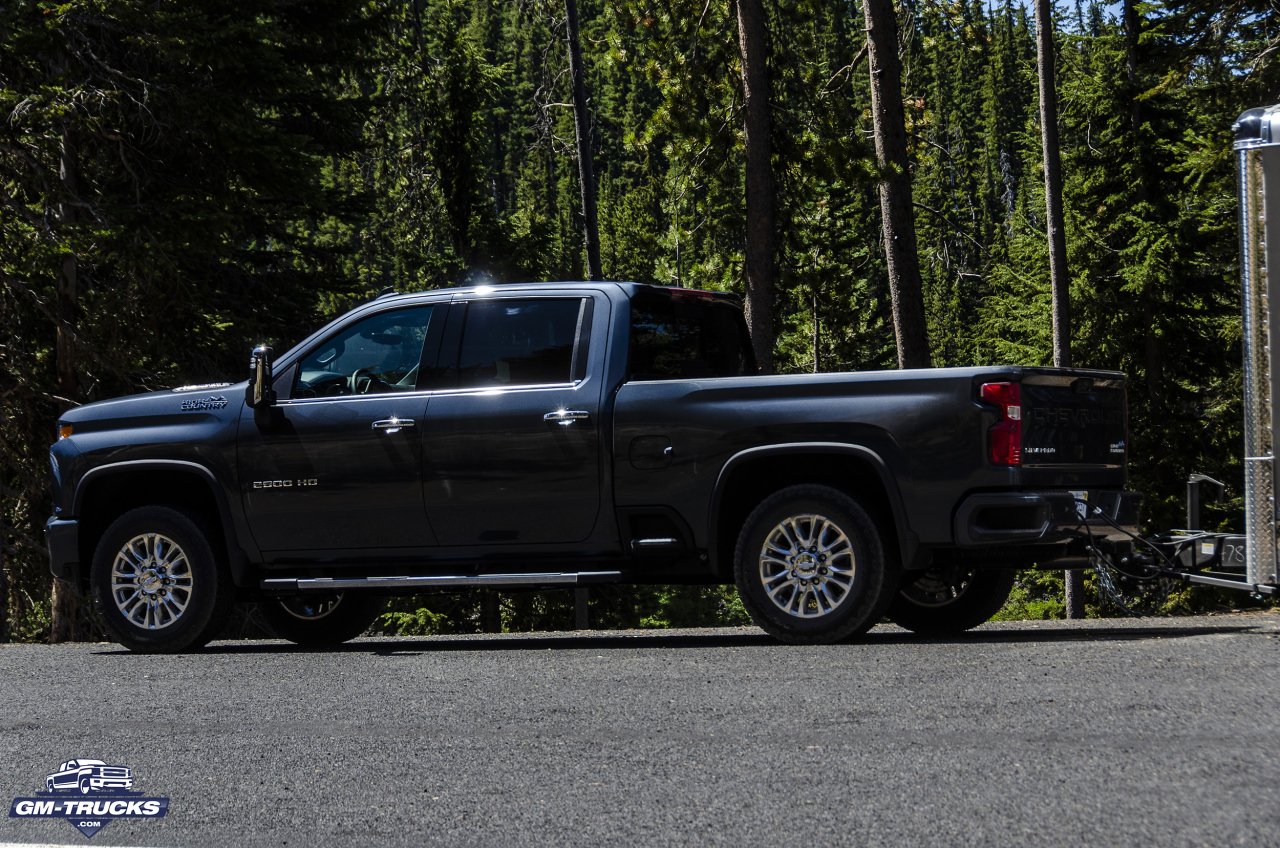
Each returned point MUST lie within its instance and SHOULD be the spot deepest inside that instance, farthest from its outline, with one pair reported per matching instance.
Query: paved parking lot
(1138, 732)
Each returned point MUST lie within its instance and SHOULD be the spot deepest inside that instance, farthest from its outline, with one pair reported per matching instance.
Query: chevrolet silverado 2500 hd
(564, 434)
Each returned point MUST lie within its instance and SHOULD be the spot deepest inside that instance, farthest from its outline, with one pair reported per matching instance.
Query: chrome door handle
(565, 417)
(393, 424)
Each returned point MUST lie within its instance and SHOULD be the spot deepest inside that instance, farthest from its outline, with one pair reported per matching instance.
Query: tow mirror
(260, 393)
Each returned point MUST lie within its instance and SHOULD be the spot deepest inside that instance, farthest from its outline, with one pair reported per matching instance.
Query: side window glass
(378, 354)
(519, 342)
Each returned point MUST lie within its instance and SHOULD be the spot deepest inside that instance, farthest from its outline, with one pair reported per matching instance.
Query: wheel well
(106, 499)
(750, 482)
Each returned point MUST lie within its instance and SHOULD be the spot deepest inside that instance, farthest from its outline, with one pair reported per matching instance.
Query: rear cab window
(679, 334)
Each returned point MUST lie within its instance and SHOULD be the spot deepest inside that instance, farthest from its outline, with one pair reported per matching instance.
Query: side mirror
(260, 393)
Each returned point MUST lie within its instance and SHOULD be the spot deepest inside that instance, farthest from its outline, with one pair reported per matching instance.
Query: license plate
(1082, 509)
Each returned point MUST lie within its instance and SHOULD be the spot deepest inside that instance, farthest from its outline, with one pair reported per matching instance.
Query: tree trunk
(65, 612)
(817, 335)
(753, 41)
(582, 128)
(1059, 278)
(898, 221)
(5, 616)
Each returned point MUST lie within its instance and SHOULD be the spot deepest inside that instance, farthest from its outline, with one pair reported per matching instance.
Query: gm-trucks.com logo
(90, 794)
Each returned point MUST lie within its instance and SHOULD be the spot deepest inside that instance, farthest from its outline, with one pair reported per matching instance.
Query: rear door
(512, 450)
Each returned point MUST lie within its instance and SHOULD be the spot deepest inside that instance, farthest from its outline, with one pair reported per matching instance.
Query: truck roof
(630, 289)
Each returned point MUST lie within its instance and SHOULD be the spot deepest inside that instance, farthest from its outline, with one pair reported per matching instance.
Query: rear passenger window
(520, 342)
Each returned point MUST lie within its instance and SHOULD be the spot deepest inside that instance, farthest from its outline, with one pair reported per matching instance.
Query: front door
(340, 467)
(512, 445)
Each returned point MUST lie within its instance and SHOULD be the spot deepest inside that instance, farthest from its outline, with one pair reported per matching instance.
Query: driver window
(378, 354)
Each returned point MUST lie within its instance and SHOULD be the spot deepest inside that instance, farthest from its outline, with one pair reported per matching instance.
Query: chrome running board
(558, 578)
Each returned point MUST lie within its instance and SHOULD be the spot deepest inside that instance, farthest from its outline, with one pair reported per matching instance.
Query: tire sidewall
(351, 617)
(868, 593)
(208, 586)
(987, 592)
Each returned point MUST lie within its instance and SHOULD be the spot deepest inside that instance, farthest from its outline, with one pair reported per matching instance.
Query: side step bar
(319, 584)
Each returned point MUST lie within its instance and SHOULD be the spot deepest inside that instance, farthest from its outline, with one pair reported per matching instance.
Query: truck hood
(217, 399)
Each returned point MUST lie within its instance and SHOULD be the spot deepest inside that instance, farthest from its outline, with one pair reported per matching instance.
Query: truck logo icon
(89, 794)
(88, 776)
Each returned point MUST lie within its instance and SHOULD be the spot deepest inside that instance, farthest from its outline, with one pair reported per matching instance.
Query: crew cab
(565, 434)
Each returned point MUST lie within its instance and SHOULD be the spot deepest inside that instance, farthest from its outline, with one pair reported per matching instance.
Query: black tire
(947, 601)
(170, 591)
(319, 619)
(834, 558)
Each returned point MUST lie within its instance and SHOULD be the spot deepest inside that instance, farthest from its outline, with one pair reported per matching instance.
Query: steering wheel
(362, 381)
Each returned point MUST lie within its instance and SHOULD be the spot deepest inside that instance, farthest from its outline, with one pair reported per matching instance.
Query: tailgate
(1073, 420)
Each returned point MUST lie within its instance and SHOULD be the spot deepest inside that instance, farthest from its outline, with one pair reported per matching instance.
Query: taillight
(1004, 439)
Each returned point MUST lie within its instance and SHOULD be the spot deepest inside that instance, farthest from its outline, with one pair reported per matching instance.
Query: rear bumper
(62, 537)
(1022, 518)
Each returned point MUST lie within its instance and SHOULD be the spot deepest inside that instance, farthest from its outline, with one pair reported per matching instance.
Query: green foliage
(694, 606)
(1036, 596)
(418, 622)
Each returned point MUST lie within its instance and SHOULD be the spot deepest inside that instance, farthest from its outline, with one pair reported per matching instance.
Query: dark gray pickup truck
(564, 434)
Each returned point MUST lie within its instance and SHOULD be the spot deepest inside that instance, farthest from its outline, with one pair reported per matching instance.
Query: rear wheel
(157, 583)
(810, 566)
(321, 618)
(951, 599)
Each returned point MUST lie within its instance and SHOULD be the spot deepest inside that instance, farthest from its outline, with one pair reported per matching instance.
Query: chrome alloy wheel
(807, 566)
(311, 607)
(151, 582)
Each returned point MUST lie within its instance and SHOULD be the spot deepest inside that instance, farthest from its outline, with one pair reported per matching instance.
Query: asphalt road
(1137, 732)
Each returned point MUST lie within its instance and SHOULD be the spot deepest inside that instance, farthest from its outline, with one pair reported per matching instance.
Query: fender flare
(237, 557)
(907, 541)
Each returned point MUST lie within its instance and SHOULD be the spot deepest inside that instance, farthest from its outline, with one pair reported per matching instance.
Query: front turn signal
(64, 431)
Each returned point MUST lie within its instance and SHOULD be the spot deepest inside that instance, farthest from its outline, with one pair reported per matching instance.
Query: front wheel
(810, 566)
(946, 601)
(157, 583)
(321, 618)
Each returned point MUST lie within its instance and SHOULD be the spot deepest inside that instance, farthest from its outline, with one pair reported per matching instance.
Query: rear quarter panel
(925, 430)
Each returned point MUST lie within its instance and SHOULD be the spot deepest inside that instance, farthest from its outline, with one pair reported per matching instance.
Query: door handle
(565, 417)
(393, 424)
